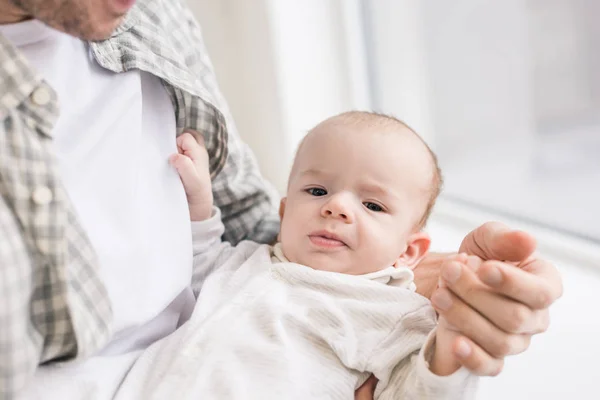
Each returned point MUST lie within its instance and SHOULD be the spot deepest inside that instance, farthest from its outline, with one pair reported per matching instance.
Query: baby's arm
(210, 251)
(412, 378)
(191, 162)
(414, 362)
(443, 361)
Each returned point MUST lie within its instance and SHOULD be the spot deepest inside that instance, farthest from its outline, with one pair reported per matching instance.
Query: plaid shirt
(53, 306)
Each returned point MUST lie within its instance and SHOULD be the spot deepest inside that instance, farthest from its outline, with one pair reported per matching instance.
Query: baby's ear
(282, 207)
(416, 248)
(281, 212)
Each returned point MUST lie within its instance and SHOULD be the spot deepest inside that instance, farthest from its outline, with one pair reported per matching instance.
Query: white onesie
(266, 329)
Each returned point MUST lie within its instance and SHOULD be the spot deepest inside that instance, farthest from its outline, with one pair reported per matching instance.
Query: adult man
(93, 224)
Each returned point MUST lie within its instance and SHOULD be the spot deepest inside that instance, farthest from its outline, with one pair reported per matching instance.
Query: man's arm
(19, 349)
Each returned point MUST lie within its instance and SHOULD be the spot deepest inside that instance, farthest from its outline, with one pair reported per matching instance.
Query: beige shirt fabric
(278, 330)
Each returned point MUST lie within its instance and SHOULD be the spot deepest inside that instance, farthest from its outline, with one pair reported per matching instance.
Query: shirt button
(41, 96)
(30, 122)
(42, 196)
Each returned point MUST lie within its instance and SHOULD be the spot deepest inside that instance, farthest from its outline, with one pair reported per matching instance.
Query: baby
(331, 303)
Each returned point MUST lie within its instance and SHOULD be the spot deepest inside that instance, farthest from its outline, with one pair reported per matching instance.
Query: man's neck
(10, 13)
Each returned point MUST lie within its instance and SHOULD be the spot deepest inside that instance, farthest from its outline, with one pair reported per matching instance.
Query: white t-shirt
(112, 141)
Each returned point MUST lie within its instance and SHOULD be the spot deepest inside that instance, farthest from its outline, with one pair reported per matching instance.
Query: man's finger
(509, 315)
(475, 359)
(471, 323)
(536, 284)
(496, 241)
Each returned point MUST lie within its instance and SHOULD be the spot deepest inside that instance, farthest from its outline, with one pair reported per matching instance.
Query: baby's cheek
(391, 248)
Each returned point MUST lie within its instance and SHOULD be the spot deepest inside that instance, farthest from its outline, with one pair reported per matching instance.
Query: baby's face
(355, 199)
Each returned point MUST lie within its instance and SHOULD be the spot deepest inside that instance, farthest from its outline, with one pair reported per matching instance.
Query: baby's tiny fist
(173, 160)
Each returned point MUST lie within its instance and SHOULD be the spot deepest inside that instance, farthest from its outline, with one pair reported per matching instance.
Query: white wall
(401, 83)
(307, 45)
(239, 40)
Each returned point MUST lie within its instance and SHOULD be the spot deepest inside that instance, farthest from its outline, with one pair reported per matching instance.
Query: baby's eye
(373, 206)
(317, 191)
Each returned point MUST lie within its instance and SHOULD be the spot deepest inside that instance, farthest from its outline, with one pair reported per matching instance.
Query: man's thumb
(496, 241)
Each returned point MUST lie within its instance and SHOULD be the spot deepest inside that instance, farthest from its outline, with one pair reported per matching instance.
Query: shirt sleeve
(247, 201)
(209, 250)
(20, 343)
(401, 363)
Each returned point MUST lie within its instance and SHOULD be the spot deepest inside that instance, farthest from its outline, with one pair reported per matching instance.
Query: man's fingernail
(441, 300)
(451, 272)
(463, 350)
(492, 276)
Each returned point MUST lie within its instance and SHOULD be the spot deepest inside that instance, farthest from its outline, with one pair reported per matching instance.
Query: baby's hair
(380, 121)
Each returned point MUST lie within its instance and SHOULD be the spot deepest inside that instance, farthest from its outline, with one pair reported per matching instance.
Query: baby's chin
(340, 261)
(329, 263)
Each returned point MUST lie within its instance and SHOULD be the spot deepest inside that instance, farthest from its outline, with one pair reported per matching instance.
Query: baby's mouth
(326, 240)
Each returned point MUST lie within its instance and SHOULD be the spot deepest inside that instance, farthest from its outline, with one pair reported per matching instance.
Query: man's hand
(191, 162)
(499, 305)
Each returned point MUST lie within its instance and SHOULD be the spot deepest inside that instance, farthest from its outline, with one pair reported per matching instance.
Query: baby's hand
(444, 362)
(192, 165)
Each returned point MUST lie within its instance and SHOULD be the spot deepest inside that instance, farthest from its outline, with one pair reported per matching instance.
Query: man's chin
(93, 31)
(101, 33)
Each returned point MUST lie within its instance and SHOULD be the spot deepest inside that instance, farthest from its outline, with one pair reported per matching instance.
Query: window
(507, 93)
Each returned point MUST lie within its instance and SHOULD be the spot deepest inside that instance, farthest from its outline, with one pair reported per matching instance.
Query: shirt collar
(394, 276)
